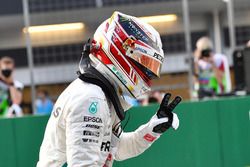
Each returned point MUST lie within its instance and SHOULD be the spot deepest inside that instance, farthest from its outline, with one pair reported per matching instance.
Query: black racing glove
(165, 111)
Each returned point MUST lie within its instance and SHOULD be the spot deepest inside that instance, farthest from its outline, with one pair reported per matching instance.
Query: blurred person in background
(152, 100)
(143, 100)
(211, 70)
(44, 104)
(85, 128)
(132, 101)
(156, 96)
(10, 89)
(248, 44)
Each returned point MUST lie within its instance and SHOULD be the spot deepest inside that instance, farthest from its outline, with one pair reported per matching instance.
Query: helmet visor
(149, 66)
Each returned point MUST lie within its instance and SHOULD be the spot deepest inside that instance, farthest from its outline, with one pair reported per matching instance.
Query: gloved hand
(162, 120)
(166, 118)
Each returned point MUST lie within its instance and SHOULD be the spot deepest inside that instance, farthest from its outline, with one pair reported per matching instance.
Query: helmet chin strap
(91, 75)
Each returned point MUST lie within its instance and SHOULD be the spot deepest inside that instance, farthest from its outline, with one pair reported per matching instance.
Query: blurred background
(45, 39)
(54, 54)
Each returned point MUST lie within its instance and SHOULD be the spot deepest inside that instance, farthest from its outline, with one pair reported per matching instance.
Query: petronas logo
(93, 107)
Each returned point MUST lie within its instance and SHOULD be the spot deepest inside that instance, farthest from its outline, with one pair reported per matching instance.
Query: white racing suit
(79, 131)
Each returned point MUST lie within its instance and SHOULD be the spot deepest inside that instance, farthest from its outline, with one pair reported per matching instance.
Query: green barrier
(211, 134)
(20, 140)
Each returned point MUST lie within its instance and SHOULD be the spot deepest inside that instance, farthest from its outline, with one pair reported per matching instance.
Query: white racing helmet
(130, 53)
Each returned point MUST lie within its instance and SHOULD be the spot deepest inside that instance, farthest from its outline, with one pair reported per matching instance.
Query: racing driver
(84, 129)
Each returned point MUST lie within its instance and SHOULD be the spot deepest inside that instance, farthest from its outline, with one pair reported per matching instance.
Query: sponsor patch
(158, 57)
(93, 107)
(85, 140)
(91, 133)
(149, 137)
(119, 75)
(92, 126)
(105, 146)
(92, 119)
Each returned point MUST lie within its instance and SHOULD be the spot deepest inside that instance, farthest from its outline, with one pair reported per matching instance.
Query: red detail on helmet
(143, 76)
(133, 76)
(142, 43)
(135, 79)
(131, 43)
(100, 54)
(103, 57)
(123, 64)
(118, 44)
(120, 59)
(93, 42)
(107, 27)
(120, 32)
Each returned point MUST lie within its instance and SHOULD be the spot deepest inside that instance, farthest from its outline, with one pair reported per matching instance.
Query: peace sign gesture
(165, 111)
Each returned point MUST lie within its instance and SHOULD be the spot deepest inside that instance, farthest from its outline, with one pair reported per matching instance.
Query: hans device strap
(91, 75)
